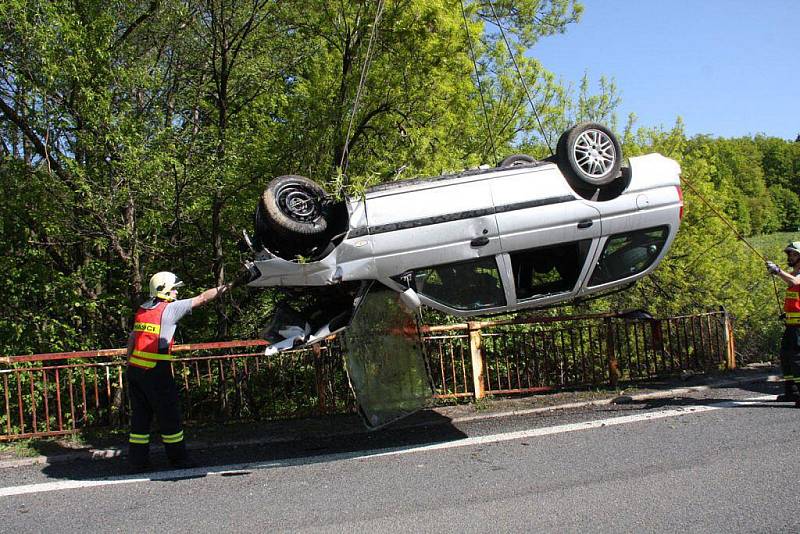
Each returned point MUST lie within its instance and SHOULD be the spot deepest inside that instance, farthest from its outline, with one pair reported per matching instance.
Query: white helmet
(162, 283)
(794, 246)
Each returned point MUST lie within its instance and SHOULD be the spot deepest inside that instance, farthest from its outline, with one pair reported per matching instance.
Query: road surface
(723, 460)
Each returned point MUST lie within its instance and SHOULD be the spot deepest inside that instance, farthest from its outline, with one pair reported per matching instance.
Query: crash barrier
(64, 393)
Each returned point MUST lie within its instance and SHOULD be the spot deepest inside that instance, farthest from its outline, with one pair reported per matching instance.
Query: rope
(724, 219)
(345, 161)
(521, 79)
(480, 86)
(738, 235)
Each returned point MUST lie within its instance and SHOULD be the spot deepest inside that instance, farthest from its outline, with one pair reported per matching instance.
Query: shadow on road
(759, 388)
(424, 428)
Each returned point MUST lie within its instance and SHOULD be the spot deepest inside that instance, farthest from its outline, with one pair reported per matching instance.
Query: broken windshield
(384, 359)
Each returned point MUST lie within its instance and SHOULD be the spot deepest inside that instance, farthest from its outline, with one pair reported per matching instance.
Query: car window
(473, 285)
(628, 254)
(548, 270)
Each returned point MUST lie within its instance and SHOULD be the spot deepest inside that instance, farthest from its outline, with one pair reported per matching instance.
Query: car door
(536, 207)
(547, 236)
(432, 222)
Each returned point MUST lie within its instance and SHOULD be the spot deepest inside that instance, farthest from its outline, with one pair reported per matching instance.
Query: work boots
(789, 392)
(178, 457)
(138, 458)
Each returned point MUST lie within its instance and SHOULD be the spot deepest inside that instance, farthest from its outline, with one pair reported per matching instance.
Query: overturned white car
(525, 234)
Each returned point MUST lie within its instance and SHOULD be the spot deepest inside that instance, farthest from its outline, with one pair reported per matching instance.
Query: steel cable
(521, 79)
(478, 81)
(344, 161)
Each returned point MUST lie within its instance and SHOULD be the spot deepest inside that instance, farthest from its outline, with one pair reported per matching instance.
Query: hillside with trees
(137, 137)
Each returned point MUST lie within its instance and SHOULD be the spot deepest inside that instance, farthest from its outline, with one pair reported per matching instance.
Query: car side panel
(536, 208)
(430, 226)
(660, 216)
(651, 200)
(653, 186)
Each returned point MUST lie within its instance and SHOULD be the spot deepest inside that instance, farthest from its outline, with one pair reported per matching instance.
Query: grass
(19, 449)
(28, 448)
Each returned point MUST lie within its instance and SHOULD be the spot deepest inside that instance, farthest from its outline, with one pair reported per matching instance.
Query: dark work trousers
(154, 392)
(790, 360)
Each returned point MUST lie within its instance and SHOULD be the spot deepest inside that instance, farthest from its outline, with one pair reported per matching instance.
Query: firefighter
(151, 386)
(790, 343)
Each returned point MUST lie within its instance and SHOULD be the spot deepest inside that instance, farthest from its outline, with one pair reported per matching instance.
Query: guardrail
(62, 393)
(533, 355)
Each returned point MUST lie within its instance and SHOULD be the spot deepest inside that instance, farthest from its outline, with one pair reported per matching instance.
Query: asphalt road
(710, 461)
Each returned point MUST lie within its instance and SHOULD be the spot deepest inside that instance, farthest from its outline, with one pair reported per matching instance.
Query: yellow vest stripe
(142, 363)
(149, 328)
(792, 317)
(151, 355)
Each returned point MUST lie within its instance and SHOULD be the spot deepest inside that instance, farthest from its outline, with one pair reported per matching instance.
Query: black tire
(292, 207)
(590, 153)
(516, 160)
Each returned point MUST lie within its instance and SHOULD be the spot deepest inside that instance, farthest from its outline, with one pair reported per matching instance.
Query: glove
(772, 268)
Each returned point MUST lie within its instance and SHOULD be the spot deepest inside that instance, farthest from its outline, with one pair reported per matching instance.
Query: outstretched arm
(209, 295)
(789, 278)
(244, 276)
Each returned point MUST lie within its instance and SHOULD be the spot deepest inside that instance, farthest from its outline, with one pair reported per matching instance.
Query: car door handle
(585, 224)
(481, 241)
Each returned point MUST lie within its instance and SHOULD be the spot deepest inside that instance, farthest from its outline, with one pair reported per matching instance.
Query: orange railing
(62, 393)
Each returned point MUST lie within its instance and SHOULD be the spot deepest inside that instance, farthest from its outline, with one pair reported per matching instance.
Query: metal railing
(63, 393)
(532, 355)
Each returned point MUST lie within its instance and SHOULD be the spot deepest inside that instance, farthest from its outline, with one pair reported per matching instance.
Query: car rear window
(628, 254)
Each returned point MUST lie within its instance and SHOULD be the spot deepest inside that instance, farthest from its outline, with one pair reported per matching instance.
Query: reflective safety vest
(791, 305)
(146, 331)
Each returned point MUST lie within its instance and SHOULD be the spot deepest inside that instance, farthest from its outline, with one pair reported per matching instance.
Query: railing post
(476, 351)
(319, 375)
(730, 347)
(613, 365)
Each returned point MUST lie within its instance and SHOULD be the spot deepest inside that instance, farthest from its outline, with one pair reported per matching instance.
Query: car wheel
(292, 206)
(590, 153)
(516, 160)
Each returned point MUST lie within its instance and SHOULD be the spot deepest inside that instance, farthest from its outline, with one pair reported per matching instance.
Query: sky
(728, 68)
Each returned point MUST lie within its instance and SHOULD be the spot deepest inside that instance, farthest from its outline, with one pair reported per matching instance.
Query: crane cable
(521, 79)
(480, 86)
(736, 233)
(345, 160)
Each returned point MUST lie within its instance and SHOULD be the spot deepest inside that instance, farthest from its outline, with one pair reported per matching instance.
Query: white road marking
(238, 469)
